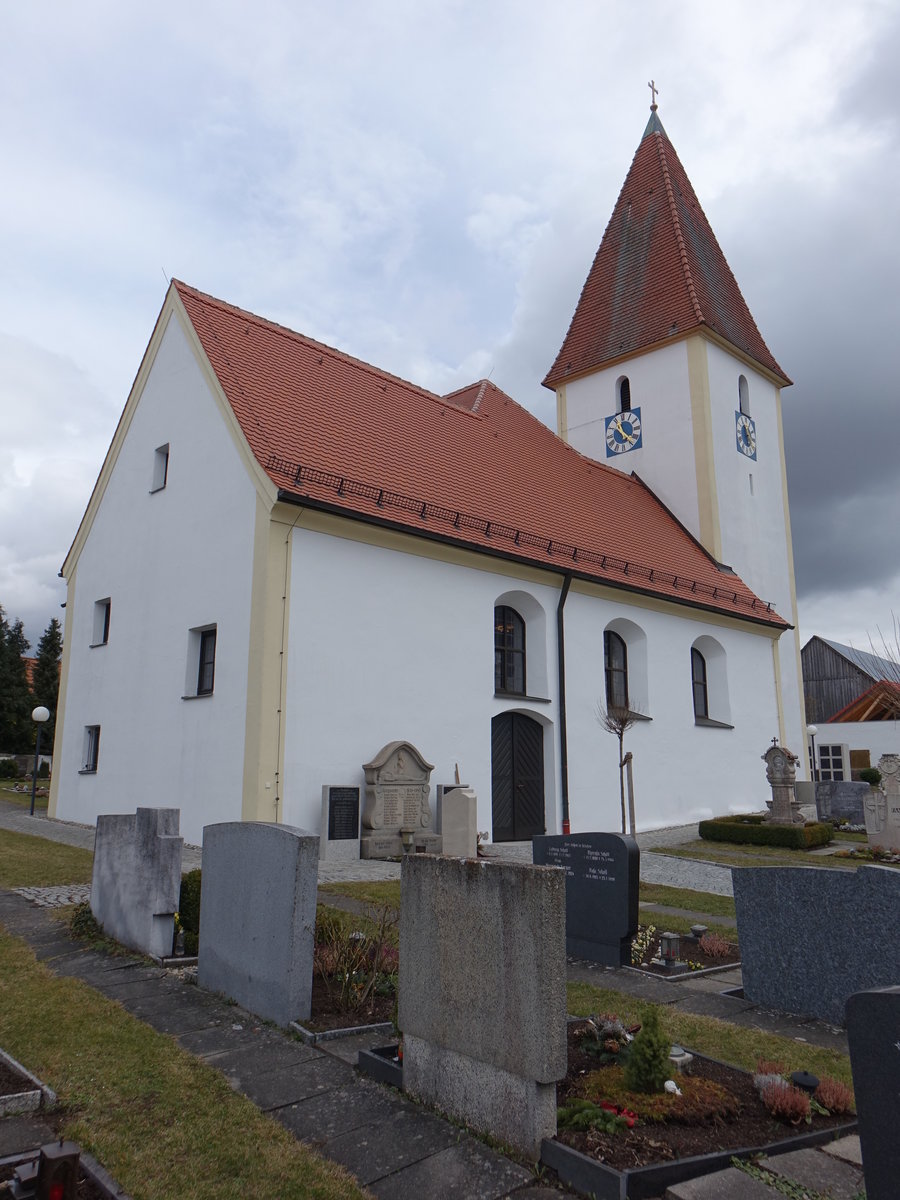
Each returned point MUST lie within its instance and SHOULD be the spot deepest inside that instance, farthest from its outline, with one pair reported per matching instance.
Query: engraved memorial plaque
(398, 784)
(343, 813)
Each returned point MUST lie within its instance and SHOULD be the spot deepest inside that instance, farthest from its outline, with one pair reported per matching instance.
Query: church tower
(663, 373)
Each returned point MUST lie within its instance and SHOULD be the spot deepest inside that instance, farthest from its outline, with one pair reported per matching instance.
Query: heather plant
(785, 1102)
(647, 1068)
(834, 1095)
(715, 946)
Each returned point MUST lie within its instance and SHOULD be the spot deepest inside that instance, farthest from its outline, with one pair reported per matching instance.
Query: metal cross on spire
(653, 92)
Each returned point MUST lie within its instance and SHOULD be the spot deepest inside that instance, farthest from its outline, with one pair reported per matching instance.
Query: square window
(160, 468)
(91, 748)
(101, 622)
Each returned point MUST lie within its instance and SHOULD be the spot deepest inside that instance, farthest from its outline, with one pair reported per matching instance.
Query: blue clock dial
(623, 432)
(745, 434)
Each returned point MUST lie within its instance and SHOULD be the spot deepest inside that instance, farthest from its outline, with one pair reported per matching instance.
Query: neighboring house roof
(870, 664)
(30, 664)
(659, 274)
(880, 703)
(473, 467)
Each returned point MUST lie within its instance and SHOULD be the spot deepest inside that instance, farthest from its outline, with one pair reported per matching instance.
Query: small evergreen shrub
(44, 771)
(755, 831)
(189, 910)
(8, 768)
(871, 776)
(647, 1068)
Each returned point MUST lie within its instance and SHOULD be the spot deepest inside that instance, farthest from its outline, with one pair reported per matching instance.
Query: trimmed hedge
(189, 910)
(754, 830)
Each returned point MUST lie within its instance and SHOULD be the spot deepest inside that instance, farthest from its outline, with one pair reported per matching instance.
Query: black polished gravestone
(343, 813)
(602, 880)
(873, 1030)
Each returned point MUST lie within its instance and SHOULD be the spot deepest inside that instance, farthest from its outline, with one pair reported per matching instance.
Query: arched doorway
(517, 778)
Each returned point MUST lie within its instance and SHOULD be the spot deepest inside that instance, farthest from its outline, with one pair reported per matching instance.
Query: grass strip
(751, 856)
(27, 861)
(729, 1043)
(702, 902)
(382, 891)
(164, 1124)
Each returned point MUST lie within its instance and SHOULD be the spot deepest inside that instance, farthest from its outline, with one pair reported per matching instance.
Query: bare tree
(618, 720)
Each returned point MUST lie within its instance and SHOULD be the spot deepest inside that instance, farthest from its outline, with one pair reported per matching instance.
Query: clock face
(623, 432)
(745, 434)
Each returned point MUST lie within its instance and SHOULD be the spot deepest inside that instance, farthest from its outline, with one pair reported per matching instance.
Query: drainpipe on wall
(561, 665)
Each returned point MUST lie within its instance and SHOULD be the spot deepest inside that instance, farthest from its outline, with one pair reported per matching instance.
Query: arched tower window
(509, 651)
(615, 664)
(744, 395)
(623, 393)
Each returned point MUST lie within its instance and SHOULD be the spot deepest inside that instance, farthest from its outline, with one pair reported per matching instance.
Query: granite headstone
(810, 937)
(873, 1030)
(841, 800)
(602, 882)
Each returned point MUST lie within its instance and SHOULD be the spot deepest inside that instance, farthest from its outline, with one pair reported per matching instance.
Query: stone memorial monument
(339, 839)
(882, 806)
(602, 881)
(781, 772)
(396, 817)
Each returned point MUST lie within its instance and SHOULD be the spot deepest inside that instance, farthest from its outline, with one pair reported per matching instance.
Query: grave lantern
(669, 947)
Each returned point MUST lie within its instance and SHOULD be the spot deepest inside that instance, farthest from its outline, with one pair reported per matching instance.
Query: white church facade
(292, 558)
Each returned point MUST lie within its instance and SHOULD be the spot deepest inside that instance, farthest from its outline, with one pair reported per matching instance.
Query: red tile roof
(881, 702)
(658, 274)
(473, 467)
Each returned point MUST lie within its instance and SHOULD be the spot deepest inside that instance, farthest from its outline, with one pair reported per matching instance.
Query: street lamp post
(40, 716)
(812, 731)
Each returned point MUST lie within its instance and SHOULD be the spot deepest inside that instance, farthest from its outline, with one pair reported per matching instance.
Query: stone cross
(653, 90)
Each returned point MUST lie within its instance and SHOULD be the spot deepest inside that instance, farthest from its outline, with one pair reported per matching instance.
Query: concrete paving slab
(243, 1062)
(381, 1149)
(321, 1118)
(348, 1048)
(167, 1016)
(275, 1089)
(712, 1004)
(125, 990)
(846, 1148)
(730, 1184)
(467, 1169)
(819, 1172)
(220, 1038)
(21, 1133)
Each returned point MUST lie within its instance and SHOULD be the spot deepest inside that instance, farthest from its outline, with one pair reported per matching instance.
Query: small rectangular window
(207, 665)
(160, 468)
(831, 764)
(101, 622)
(91, 748)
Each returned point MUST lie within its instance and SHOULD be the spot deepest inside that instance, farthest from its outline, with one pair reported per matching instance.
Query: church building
(292, 558)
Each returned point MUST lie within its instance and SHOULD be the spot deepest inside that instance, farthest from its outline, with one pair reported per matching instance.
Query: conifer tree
(45, 685)
(16, 732)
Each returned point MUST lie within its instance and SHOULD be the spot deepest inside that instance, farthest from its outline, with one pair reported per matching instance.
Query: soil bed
(326, 1014)
(11, 1082)
(655, 1142)
(690, 953)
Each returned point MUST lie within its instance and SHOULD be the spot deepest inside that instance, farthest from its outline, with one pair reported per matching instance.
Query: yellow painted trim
(562, 413)
(61, 702)
(349, 529)
(263, 776)
(172, 306)
(779, 698)
(704, 458)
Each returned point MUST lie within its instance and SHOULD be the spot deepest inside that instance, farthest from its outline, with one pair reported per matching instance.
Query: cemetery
(465, 1006)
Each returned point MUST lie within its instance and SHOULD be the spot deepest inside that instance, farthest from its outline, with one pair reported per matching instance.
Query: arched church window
(623, 393)
(615, 665)
(698, 680)
(744, 395)
(509, 651)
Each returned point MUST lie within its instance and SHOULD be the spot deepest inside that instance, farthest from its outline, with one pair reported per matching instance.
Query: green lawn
(27, 861)
(701, 902)
(164, 1124)
(752, 856)
(23, 799)
(386, 891)
(718, 1039)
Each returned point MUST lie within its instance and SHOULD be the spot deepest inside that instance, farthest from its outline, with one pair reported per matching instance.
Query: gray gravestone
(841, 801)
(396, 815)
(483, 993)
(339, 840)
(602, 882)
(258, 917)
(137, 878)
(809, 937)
(873, 1029)
(459, 822)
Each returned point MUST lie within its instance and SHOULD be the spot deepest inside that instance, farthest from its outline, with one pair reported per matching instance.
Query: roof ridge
(679, 236)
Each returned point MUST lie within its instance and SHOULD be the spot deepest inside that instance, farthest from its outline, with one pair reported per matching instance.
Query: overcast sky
(424, 185)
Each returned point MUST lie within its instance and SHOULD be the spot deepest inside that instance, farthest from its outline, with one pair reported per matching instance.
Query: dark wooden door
(517, 778)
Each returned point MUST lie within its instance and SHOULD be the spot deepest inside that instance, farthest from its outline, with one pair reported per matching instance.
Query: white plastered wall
(878, 737)
(389, 645)
(176, 559)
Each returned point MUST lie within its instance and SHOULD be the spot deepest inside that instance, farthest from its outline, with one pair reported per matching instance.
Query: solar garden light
(39, 715)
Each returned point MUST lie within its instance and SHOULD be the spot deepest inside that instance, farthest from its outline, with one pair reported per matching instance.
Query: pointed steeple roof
(659, 273)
